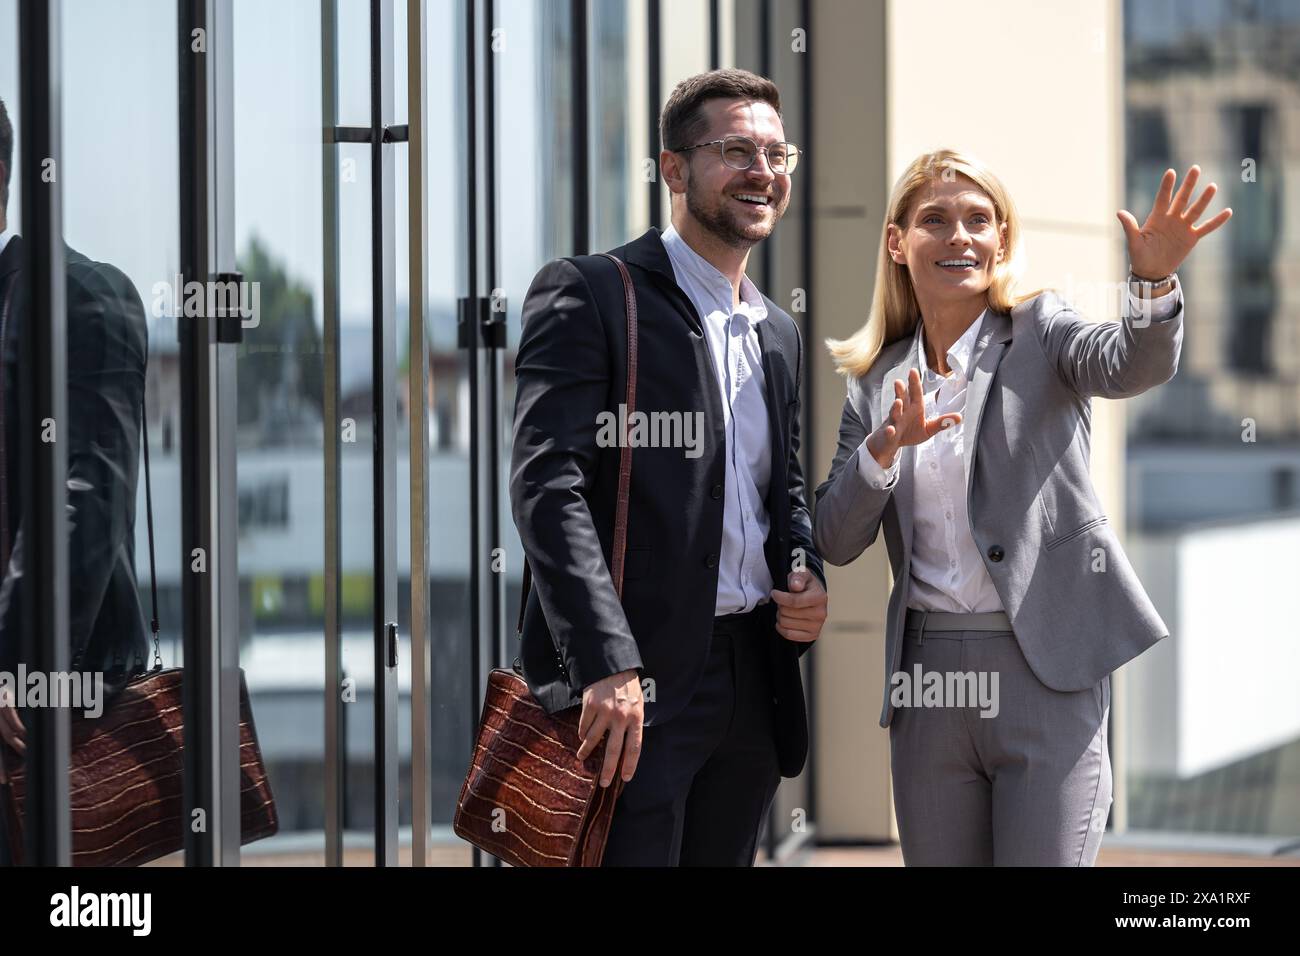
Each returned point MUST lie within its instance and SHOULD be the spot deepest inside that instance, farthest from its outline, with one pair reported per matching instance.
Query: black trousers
(706, 778)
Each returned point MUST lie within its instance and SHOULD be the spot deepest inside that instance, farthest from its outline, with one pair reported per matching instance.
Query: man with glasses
(693, 677)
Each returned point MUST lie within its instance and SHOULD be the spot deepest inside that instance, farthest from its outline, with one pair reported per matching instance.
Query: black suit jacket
(572, 365)
(107, 349)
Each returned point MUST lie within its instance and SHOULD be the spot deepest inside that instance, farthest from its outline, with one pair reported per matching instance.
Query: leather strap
(625, 450)
(624, 455)
(4, 432)
(148, 511)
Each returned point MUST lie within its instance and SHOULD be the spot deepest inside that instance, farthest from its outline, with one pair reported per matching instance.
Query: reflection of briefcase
(124, 786)
(526, 797)
(125, 782)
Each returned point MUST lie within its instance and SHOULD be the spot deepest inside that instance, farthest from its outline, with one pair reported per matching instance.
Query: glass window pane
(447, 394)
(280, 369)
(1214, 454)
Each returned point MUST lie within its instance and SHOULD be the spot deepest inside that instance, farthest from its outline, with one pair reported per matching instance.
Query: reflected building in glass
(1214, 455)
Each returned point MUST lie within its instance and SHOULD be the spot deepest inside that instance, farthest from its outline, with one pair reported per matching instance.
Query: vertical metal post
(417, 403)
(653, 57)
(335, 737)
(808, 434)
(765, 69)
(209, 520)
(715, 42)
(197, 380)
(494, 339)
(469, 338)
(225, 491)
(43, 464)
(581, 107)
(383, 391)
(768, 277)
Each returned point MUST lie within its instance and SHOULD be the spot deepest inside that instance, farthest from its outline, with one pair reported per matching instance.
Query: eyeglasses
(739, 152)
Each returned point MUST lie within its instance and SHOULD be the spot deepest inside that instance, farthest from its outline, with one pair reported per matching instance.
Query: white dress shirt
(4, 239)
(744, 580)
(947, 571)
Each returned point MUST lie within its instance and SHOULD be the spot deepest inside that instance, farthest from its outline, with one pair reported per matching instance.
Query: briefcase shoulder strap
(148, 514)
(625, 449)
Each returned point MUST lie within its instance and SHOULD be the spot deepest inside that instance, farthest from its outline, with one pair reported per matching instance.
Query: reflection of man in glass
(107, 347)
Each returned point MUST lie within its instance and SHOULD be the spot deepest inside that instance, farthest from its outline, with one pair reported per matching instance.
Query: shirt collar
(4, 239)
(959, 355)
(689, 263)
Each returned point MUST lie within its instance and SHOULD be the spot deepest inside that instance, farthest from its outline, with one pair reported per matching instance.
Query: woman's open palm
(907, 424)
(1159, 245)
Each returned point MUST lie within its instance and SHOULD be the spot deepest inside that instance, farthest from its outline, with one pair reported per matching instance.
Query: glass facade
(296, 393)
(1214, 455)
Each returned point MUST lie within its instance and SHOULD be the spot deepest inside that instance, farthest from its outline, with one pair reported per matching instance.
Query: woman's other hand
(1159, 245)
(906, 424)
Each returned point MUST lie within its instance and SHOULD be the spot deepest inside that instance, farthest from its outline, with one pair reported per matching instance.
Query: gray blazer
(1034, 514)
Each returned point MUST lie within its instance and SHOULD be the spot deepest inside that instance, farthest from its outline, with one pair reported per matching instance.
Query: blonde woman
(965, 436)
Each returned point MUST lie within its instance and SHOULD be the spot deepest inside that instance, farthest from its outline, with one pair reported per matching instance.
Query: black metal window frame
(42, 381)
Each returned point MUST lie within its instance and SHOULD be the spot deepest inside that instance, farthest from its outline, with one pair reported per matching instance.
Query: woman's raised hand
(1159, 245)
(906, 424)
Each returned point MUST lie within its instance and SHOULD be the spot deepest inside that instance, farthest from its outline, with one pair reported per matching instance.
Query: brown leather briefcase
(526, 798)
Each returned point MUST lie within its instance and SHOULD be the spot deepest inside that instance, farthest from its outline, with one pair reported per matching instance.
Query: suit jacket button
(711, 561)
(996, 553)
(716, 491)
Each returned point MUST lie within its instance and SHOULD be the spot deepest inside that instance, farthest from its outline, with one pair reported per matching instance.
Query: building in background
(1213, 467)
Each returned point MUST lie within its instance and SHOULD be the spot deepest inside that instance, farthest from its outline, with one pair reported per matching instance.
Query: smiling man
(693, 676)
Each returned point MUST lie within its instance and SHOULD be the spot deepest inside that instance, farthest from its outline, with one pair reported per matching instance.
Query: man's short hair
(6, 154)
(682, 121)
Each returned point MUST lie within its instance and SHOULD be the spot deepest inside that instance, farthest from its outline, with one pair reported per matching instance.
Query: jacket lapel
(992, 342)
(774, 395)
(11, 258)
(903, 495)
(649, 253)
(775, 382)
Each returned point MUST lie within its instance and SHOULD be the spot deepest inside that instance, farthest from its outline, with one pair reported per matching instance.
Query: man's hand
(906, 424)
(613, 705)
(801, 611)
(1159, 245)
(11, 728)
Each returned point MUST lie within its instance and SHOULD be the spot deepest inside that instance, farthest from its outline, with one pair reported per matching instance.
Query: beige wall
(1031, 88)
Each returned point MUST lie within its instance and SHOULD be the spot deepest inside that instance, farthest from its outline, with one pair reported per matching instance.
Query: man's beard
(725, 224)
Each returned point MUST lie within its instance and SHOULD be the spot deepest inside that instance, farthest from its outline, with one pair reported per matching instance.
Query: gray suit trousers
(1028, 786)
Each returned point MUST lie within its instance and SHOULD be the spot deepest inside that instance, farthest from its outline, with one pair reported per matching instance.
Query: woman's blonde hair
(894, 310)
